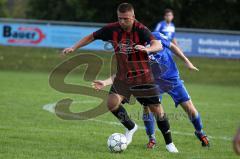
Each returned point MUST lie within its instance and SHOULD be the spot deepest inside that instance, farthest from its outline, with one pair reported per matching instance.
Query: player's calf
(195, 119)
(164, 126)
(148, 119)
(114, 105)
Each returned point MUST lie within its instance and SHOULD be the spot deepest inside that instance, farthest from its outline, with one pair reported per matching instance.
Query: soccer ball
(117, 142)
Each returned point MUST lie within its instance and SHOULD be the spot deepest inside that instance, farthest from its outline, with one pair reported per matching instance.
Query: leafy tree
(71, 10)
(214, 14)
(3, 12)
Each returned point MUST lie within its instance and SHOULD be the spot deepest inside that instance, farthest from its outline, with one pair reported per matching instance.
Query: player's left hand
(98, 84)
(191, 67)
(236, 143)
(141, 48)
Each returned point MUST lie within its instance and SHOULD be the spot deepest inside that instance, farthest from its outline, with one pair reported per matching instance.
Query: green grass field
(29, 131)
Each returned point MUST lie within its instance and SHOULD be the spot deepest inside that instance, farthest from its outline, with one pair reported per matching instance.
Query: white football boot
(129, 134)
(171, 148)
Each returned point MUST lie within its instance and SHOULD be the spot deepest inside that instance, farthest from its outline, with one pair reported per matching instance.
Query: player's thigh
(118, 92)
(154, 108)
(179, 94)
(146, 94)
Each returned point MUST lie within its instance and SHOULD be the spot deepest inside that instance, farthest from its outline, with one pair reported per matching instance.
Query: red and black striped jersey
(133, 66)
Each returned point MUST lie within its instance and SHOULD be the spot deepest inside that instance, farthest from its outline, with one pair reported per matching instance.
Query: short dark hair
(125, 7)
(168, 11)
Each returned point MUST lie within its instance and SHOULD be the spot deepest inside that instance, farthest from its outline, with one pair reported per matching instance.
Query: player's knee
(111, 105)
(157, 111)
(192, 113)
(160, 117)
(190, 109)
(113, 102)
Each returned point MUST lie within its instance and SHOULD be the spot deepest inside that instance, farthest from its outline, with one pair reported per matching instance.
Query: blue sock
(148, 119)
(197, 123)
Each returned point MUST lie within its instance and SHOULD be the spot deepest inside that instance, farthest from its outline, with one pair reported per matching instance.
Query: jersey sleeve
(162, 39)
(157, 28)
(165, 42)
(173, 35)
(146, 35)
(102, 34)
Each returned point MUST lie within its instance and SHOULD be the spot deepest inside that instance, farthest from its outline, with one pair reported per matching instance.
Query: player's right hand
(98, 84)
(141, 48)
(191, 67)
(67, 51)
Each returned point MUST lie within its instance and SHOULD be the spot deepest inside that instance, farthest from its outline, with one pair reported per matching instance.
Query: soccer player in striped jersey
(134, 76)
(167, 77)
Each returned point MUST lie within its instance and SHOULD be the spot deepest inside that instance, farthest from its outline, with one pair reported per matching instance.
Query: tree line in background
(211, 14)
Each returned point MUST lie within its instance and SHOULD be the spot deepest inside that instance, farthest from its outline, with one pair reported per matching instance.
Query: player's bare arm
(100, 84)
(174, 41)
(181, 55)
(85, 41)
(155, 46)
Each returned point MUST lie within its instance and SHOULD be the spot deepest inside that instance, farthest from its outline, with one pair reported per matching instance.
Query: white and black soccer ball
(117, 142)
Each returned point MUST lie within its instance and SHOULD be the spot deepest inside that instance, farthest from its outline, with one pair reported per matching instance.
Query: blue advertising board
(46, 35)
(62, 36)
(210, 45)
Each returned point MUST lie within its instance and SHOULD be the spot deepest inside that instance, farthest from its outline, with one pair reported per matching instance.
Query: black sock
(123, 117)
(164, 126)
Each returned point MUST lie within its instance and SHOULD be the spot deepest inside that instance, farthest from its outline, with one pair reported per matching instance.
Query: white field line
(50, 108)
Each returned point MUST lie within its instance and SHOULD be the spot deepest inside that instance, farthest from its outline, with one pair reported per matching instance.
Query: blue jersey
(163, 66)
(166, 29)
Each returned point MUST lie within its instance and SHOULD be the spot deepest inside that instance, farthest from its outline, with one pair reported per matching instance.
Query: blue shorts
(175, 88)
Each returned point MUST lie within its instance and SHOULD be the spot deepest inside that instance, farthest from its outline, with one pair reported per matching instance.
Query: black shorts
(146, 94)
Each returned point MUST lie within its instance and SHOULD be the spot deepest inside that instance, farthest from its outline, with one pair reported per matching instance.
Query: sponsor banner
(46, 35)
(210, 45)
(62, 36)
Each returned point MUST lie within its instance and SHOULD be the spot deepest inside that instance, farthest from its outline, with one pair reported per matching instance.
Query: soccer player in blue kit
(170, 74)
(166, 76)
(167, 27)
